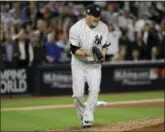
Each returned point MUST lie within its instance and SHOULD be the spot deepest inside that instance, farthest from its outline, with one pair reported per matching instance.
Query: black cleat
(86, 124)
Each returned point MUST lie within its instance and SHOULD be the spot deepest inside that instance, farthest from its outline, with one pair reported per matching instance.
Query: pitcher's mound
(151, 124)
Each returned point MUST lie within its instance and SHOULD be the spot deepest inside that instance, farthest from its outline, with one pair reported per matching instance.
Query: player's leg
(78, 89)
(94, 79)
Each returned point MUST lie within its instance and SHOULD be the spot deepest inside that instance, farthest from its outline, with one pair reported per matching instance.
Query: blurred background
(36, 33)
(35, 51)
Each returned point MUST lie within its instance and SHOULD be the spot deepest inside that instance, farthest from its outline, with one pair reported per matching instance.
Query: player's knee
(95, 91)
(78, 96)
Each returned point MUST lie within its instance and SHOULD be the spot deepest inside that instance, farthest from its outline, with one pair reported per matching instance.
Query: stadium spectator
(24, 48)
(153, 39)
(135, 54)
(154, 53)
(65, 48)
(38, 48)
(158, 12)
(114, 35)
(53, 51)
(2, 65)
(8, 46)
(112, 12)
(146, 33)
(140, 45)
(121, 55)
(161, 35)
(124, 41)
(1, 58)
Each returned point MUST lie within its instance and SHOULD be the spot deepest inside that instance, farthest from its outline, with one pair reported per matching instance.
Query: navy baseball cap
(93, 10)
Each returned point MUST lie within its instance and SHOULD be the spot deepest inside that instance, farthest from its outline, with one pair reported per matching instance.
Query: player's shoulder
(77, 25)
(103, 25)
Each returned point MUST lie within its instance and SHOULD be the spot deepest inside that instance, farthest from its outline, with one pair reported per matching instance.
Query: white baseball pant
(90, 73)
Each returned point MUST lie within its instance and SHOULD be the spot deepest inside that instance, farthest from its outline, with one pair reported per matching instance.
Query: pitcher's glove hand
(99, 58)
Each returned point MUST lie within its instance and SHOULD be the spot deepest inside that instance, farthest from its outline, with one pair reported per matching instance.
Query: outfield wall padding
(57, 79)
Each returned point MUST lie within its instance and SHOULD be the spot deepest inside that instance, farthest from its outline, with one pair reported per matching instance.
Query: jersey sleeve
(74, 38)
(106, 38)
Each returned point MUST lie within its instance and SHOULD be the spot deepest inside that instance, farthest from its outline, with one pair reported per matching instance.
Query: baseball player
(89, 42)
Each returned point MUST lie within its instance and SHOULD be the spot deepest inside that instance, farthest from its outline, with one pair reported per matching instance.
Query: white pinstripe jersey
(81, 35)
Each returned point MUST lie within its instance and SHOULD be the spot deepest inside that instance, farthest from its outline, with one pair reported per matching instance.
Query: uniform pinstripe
(82, 36)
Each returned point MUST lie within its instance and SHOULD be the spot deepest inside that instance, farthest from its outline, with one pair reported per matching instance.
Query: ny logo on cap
(98, 9)
(88, 11)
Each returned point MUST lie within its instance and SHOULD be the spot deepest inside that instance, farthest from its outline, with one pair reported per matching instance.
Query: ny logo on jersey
(98, 39)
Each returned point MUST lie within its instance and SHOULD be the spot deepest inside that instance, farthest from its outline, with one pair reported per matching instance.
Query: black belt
(90, 62)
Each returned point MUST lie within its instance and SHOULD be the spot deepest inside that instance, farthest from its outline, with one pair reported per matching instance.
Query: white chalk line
(109, 104)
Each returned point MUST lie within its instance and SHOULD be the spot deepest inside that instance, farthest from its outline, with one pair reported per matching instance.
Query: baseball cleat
(86, 124)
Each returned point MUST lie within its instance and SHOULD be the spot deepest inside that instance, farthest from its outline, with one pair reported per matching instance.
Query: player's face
(94, 21)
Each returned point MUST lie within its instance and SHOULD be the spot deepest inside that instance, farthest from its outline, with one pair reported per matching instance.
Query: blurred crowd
(36, 33)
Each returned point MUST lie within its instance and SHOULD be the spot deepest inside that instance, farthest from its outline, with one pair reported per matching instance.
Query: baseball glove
(99, 58)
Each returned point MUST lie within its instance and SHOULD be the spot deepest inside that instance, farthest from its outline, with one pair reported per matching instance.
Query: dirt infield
(151, 124)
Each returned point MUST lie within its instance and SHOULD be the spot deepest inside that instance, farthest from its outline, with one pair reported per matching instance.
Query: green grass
(68, 100)
(63, 118)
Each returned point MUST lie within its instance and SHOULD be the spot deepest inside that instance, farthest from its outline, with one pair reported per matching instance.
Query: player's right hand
(87, 52)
